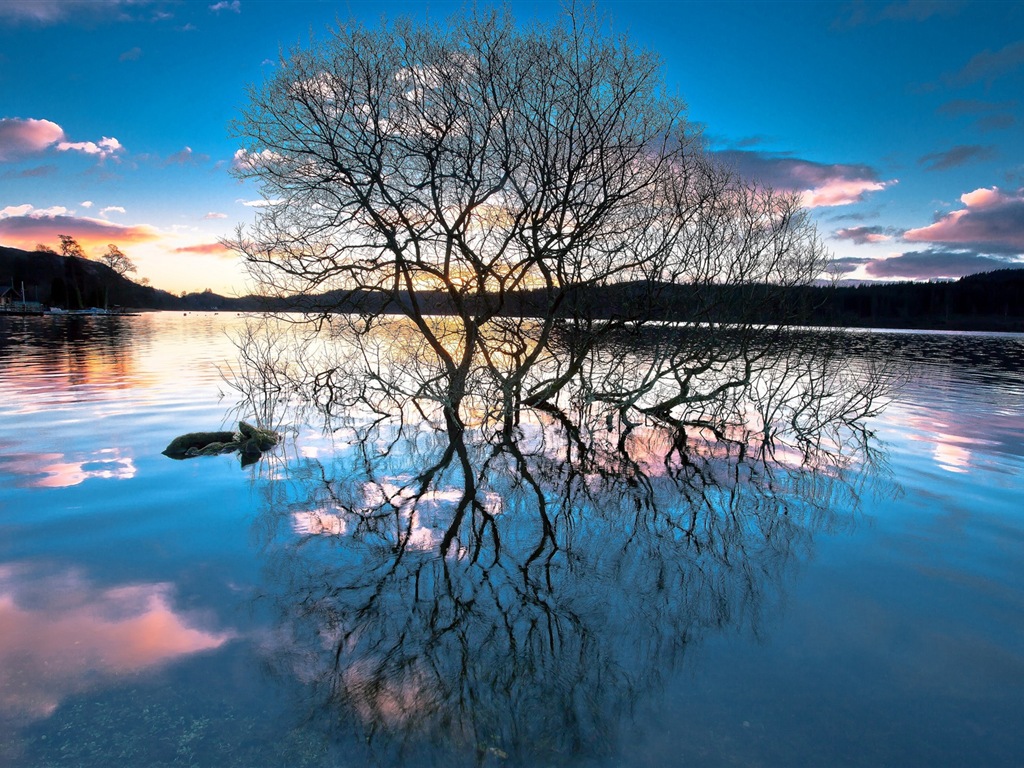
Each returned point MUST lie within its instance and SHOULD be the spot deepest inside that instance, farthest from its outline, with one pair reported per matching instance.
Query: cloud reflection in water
(64, 635)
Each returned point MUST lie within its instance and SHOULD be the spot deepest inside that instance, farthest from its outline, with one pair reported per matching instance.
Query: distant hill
(75, 283)
(992, 301)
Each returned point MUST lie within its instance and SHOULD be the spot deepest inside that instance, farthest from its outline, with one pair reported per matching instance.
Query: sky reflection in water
(299, 612)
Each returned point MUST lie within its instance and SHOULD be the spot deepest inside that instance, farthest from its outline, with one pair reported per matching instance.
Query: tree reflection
(514, 579)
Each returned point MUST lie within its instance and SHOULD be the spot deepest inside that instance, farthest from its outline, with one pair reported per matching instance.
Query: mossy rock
(212, 449)
(249, 441)
(179, 446)
(263, 437)
(250, 447)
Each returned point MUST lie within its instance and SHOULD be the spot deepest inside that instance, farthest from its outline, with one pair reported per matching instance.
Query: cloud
(919, 10)
(925, 265)
(30, 173)
(957, 156)
(863, 235)
(215, 215)
(25, 226)
(106, 147)
(133, 54)
(39, 11)
(972, 107)
(209, 249)
(111, 209)
(21, 137)
(989, 66)
(15, 210)
(819, 184)
(992, 221)
(986, 115)
(243, 160)
(259, 203)
(86, 203)
(71, 635)
(186, 156)
(45, 12)
(860, 12)
(26, 137)
(227, 5)
(27, 210)
(995, 122)
(845, 265)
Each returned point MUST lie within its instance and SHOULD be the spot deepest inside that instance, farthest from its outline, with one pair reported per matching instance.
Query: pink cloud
(211, 249)
(863, 235)
(25, 137)
(818, 184)
(991, 221)
(841, 192)
(63, 635)
(24, 228)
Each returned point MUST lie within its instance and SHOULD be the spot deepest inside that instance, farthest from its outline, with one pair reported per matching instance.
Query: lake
(314, 608)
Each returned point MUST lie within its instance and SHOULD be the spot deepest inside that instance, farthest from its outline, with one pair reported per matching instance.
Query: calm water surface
(197, 613)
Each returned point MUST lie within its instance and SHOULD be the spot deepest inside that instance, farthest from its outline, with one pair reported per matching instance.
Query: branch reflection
(510, 564)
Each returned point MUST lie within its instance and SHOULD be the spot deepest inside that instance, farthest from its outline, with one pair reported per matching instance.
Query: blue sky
(900, 123)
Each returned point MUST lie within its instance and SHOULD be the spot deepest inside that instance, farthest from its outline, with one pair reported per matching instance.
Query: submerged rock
(180, 446)
(249, 441)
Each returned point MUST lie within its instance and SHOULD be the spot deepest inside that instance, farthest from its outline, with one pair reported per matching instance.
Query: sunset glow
(897, 124)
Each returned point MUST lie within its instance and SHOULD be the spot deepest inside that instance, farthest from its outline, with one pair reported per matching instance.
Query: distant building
(10, 304)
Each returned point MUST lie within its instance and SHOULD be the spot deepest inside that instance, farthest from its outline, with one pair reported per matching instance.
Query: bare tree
(507, 209)
(480, 170)
(117, 261)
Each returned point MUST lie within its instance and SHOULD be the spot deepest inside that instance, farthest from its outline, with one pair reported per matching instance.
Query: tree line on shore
(987, 301)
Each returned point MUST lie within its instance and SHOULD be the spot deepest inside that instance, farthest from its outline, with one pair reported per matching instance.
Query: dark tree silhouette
(115, 258)
(69, 247)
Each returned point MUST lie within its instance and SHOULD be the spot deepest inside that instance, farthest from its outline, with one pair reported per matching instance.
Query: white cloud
(244, 160)
(215, 215)
(86, 204)
(106, 147)
(259, 203)
(15, 210)
(226, 5)
(32, 212)
(111, 209)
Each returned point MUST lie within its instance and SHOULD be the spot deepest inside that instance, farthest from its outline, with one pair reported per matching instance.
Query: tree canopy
(480, 159)
(115, 258)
